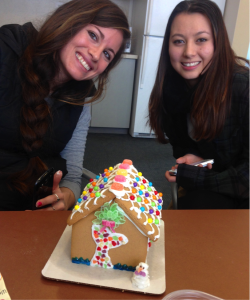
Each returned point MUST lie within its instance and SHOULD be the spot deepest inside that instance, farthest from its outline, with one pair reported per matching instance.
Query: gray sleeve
(74, 152)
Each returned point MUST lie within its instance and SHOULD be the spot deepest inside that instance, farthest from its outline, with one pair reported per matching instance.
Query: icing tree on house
(105, 236)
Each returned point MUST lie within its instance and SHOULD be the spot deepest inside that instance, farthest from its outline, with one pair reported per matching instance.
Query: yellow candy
(150, 220)
(142, 187)
(140, 173)
(110, 168)
(122, 172)
(84, 192)
(77, 207)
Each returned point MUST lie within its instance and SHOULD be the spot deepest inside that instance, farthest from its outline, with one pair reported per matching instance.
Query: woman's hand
(191, 159)
(61, 198)
(186, 159)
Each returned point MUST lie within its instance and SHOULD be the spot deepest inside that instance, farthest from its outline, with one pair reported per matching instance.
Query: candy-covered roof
(141, 203)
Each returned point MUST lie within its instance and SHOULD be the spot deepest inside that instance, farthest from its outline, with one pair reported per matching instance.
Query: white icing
(118, 194)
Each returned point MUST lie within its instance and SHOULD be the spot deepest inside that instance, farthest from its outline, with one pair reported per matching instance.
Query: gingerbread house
(116, 219)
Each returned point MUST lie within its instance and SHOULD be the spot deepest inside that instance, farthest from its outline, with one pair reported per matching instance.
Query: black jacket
(230, 150)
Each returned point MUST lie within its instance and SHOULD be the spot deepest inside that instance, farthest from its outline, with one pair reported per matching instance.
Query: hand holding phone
(203, 162)
(43, 187)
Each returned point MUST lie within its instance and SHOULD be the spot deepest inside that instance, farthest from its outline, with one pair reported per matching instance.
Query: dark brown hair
(212, 97)
(40, 64)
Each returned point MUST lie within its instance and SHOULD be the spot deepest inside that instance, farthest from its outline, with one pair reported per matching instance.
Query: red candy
(132, 197)
(144, 181)
(157, 212)
(155, 192)
(116, 186)
(91, 179)
(90, 190)
(127, 161)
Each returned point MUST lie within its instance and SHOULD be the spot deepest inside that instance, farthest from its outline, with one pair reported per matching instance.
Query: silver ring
(57, 198)
(53, 207)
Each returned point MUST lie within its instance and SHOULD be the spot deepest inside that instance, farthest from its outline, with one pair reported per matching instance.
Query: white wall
(236, 18)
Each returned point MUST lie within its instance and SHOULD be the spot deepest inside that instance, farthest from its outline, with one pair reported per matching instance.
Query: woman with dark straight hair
(45, 78)
(200, 102)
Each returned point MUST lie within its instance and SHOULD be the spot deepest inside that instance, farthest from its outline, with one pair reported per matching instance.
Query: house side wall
(135, 251)
(82, 243)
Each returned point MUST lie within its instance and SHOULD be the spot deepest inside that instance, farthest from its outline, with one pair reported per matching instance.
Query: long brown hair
(40, 64)
(212, 97)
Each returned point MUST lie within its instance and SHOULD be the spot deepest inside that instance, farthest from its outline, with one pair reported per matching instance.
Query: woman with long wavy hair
(45, 78)
(199, 104)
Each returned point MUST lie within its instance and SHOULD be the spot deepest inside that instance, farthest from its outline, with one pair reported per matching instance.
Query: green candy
(152, 204)
(138, 199)
(96, 188)
(149, 189)
(98, 194)
(156, 221)
(88, 185)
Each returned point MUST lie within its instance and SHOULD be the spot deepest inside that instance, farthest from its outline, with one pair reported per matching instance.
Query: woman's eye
(93, 35)
(107, 55)
(178, 42)
(201, 40)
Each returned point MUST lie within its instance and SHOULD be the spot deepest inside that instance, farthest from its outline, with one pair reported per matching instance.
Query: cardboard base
(60, 267)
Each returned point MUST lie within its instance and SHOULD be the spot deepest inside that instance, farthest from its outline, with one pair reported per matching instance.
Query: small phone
(43, 187)
(203, 162)
(173, 172)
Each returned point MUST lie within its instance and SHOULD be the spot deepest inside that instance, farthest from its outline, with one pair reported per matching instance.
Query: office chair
(174, 192)
(88, 174)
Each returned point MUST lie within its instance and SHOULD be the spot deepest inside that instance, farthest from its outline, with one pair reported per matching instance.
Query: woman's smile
(82, 61)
